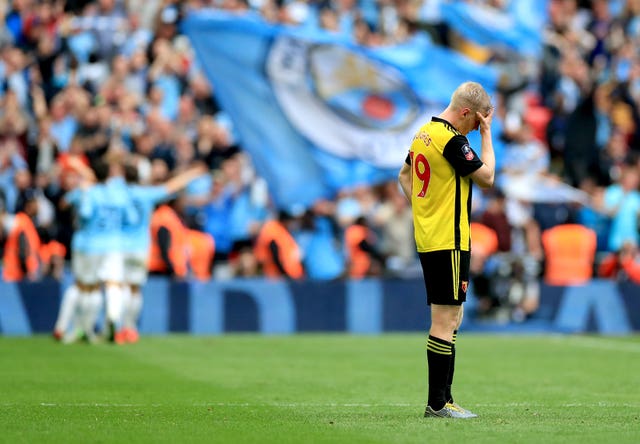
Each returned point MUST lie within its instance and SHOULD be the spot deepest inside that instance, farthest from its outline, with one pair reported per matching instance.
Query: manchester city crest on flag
(345, 102)
(315, 112)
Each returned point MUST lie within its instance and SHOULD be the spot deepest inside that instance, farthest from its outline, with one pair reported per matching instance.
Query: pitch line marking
(321, 405)
(600, 344)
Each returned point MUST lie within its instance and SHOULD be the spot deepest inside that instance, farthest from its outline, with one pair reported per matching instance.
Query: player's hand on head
(485, 120)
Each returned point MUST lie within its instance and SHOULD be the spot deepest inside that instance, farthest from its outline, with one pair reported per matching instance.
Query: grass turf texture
(317, 388)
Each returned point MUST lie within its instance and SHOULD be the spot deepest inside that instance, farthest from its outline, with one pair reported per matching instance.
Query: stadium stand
(83, 78)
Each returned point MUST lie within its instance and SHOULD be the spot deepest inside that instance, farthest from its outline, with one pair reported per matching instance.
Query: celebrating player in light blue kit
(81, 301)
(105, 209)
(137, 239)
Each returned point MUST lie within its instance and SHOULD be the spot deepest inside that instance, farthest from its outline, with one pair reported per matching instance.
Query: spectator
(323, 258)
(169, 253)
(201, 254)
(93, 133)
(363, 258)
(203, 98)
(394, 219)
(22, 249)
(63, 123)
(216, 214)
(591, 214)
(276, 249)
(495, 217)
(622, 265)
(622, 203)
(13, 119)
(11, 164)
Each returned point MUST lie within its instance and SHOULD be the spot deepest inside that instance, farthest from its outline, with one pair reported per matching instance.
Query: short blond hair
(471, 95)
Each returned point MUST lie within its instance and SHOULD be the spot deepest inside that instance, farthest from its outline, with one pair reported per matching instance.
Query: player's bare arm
(404, 177)
(180, 181)
(85, 172)
(484, 175)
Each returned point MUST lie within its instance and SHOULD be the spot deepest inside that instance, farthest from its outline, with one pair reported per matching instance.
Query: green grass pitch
(317, 388)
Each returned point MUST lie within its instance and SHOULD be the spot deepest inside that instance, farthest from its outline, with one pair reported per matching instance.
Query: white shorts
(84, 267)
(91, 269)
(135, 268)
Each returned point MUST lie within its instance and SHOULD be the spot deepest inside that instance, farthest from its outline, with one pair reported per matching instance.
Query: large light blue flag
(317, 113)
(517, 28)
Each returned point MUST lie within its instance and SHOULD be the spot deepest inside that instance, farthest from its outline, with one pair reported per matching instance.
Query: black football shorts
(446, 276)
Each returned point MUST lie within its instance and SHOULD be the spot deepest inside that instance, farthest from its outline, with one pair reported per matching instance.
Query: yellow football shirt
(441, 161)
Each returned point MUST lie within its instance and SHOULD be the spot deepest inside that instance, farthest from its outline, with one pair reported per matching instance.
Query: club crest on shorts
(464, 285)
(466, 151)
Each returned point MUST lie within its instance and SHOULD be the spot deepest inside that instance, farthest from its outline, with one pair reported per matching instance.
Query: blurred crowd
(79, 79)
